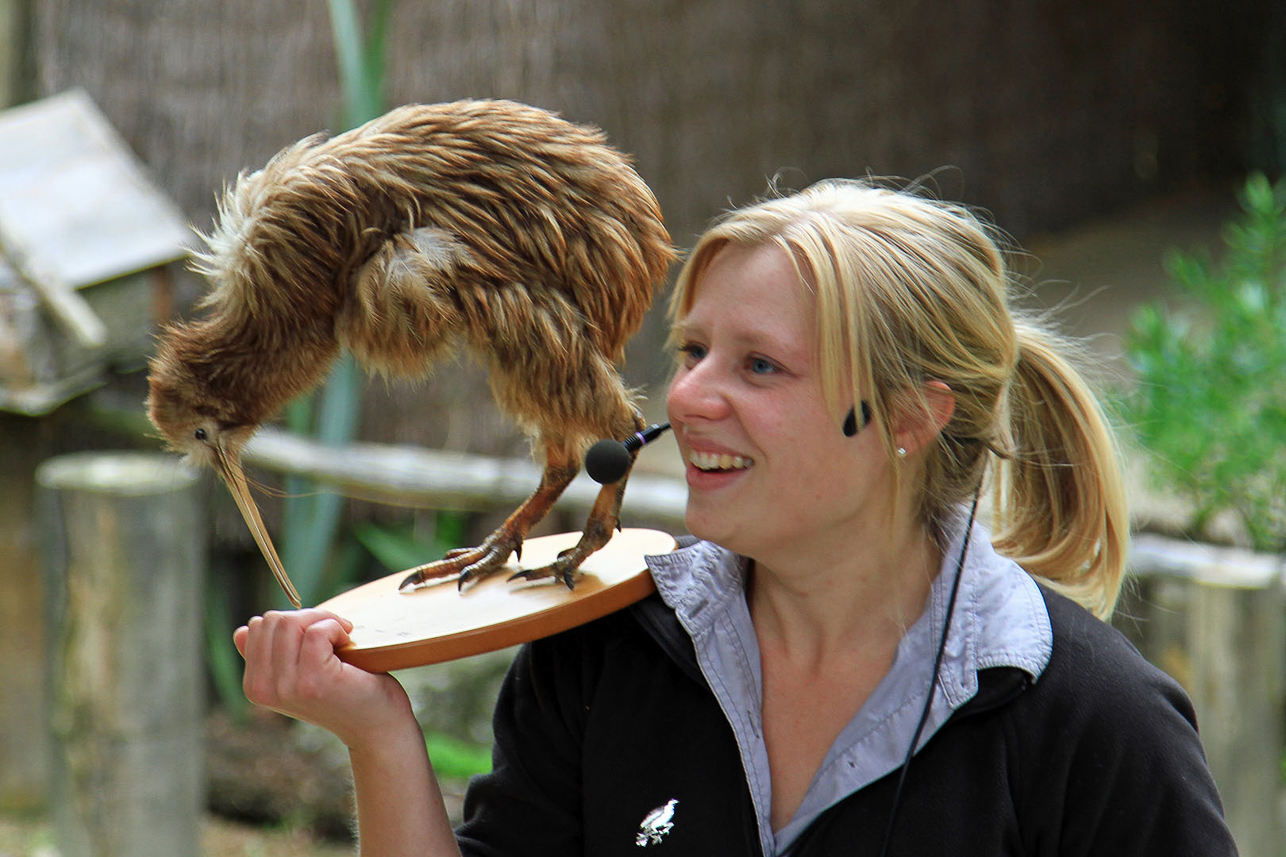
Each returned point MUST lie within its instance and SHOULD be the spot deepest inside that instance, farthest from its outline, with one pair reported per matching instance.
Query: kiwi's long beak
(229, 468)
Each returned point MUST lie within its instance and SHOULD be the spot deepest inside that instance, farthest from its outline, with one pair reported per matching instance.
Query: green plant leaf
(399, 546)
(221, 656)
(1210, 400)
(396, 548)
(456, 759)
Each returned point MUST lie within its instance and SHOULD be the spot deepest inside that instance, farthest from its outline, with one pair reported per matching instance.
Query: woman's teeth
(716, 461)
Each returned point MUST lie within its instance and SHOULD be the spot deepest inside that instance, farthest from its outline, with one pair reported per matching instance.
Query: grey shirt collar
(1000, 620)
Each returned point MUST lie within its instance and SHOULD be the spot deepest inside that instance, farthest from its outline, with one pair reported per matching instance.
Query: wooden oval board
(394, 630)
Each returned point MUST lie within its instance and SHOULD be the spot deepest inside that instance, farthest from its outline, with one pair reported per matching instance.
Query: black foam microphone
(608, 459)
(850, 426)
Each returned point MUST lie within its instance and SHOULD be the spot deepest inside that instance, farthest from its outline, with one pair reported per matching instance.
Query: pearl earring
(901, 452)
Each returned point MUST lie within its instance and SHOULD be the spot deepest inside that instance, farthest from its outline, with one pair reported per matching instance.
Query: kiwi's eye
(199, 434)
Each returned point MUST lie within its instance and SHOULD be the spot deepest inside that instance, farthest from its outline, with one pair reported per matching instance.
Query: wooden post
(1212, 618)
(24, 746)
(123, 591)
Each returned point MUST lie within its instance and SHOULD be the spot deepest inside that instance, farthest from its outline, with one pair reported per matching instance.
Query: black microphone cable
(933, 683)
(608, 460)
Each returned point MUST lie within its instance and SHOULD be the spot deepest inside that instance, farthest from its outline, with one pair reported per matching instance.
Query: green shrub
(455, 759)
(1210, 403)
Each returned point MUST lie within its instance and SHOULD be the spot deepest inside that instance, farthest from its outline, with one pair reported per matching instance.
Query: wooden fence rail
(412, 475)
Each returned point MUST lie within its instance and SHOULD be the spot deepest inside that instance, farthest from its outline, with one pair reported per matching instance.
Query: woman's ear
(921, 421)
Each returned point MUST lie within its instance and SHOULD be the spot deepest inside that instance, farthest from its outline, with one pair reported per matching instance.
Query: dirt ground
(226, 839)
(288, 796)
(220, 838)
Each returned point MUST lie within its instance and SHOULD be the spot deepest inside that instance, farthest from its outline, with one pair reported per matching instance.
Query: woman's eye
(761, 366)
(692, 352)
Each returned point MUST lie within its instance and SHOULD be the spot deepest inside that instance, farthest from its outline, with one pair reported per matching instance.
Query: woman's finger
(321, 639)
(310, 615)
(240, 635)
(318, 670)
(261, 674)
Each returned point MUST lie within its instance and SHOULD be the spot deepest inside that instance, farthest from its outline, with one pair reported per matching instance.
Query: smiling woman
(843, 660)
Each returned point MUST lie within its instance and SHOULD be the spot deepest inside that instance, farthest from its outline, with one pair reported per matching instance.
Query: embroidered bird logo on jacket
(656, 825)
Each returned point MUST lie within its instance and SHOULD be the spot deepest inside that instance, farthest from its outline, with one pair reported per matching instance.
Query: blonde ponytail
(1060, 508)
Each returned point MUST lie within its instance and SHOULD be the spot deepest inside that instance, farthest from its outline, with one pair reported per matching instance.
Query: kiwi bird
(491, 227)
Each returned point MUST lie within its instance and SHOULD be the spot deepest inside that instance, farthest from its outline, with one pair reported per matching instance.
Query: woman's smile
(715, 461)
(708, 470)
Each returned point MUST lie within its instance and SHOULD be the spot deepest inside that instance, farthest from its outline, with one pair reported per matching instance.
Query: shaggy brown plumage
(485, 225)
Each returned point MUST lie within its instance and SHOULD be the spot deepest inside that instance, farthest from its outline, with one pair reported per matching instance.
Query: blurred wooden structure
(86, 244)
(85, 239)
(24, 748)
(1211, 616)
(407, 475)
(124, 549)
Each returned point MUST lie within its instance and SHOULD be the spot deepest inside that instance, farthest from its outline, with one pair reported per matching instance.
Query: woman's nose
(696, 394)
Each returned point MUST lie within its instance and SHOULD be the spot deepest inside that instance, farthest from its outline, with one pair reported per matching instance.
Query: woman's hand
(291, 667)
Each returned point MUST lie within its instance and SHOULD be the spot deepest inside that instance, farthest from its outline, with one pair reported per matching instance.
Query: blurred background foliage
(1208, 406)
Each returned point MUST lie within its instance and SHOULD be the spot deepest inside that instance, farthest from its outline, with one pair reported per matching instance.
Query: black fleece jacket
(598, 726)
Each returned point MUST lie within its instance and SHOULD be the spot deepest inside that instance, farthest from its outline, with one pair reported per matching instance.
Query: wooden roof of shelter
(73, 195)
(77, 209)
(76, 205)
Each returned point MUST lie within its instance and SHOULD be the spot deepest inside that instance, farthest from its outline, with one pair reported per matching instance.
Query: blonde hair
(910, 289)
